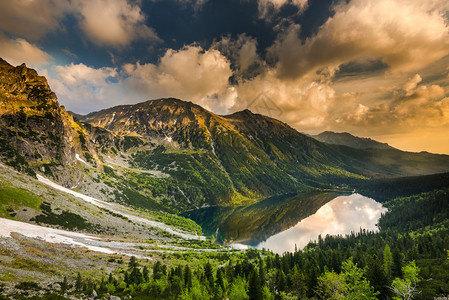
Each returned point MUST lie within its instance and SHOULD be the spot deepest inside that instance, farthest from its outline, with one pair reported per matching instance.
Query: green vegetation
(65, 219)
(12, 198)
(384, 189)
(177, 221)
(197, 173)
(27, 264)
(407, 259)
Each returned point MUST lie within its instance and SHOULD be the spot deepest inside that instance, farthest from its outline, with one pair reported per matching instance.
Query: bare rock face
(36, 133)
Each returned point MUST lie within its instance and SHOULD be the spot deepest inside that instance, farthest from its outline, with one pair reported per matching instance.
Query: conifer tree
(254, 286)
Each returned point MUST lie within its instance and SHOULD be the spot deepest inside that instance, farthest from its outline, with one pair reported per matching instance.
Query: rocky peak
(35, 131)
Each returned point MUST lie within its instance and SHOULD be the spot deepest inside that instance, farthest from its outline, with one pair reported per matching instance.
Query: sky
(374, 68)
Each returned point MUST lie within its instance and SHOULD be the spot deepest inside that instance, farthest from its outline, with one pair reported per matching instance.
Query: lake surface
(280, 223)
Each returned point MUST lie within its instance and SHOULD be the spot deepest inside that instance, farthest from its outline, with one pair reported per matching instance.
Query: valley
(165, 199)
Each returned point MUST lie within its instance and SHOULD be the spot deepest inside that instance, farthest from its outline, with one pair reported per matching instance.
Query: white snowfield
(74, 239)
(119, 209)
(51, 235)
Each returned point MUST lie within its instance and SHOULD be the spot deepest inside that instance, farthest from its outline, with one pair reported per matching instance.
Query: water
(290, 222)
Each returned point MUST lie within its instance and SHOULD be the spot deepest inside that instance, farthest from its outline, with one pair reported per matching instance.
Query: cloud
(411, 107)
(78, 74)
(242, 52)
(304, 104)
(411, 84)
(18, 51)
(405, 35)
(32, 19)
(269, 7)
(113, 22)
(104, 22)
(191, 73)
(82, 88)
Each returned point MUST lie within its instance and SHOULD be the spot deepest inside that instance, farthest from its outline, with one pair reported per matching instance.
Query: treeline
(417, 213)
(407, 259)
(365, 265)
(377, 263)
(386, 189)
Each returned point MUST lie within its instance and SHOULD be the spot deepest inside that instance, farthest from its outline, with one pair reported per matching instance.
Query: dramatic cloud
(74, 75)
(191, 74)
(411, 107)
(105, 22)
(406, 35)
(18, 51)
(32, 19)
(303, 104)
(376, 68)
(242, 53)
(268, 7)
(411, 84)
(332, 218)
(83, 89)
(113, 23)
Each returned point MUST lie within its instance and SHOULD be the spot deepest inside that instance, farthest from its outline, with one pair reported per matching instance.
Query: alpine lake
(288, 222)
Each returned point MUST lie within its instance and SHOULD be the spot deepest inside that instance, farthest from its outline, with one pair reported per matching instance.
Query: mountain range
(173, 155)
(347, 139)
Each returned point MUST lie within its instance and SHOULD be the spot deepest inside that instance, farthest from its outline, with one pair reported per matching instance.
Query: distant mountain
(239, 157)
(169, 154)
(220, 159)
(347, 139)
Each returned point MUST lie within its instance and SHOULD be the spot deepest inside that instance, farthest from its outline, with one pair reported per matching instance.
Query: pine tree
(146, 274)
(262, 272)
(111, 279)
(78, 282)
(397, 263)
(298, 283)
(64, 285)
(209, 275)
(219, 282)
(388, 262)
(254, 286)
(187, 276)
(133, 263)
(376, 276)
(157, 270)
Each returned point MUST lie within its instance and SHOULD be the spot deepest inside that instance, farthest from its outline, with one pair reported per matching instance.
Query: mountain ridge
(347, 139)
(176, 155)
(298, 159)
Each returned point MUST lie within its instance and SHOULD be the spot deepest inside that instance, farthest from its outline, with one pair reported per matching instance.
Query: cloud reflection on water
(342, 215)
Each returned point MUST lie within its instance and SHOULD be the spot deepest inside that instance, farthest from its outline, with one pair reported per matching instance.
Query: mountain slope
(239, 157)
(347, 139)
(223, 159)
(172, 155)
(36, 133)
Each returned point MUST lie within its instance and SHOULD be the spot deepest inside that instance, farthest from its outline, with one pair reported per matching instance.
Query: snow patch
(50, 235)
(118, 209)
(80, 159)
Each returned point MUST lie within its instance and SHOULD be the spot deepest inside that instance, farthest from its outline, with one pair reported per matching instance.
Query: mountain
(36, 133)
(238, 158)
(173, 155)
(347, 139)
